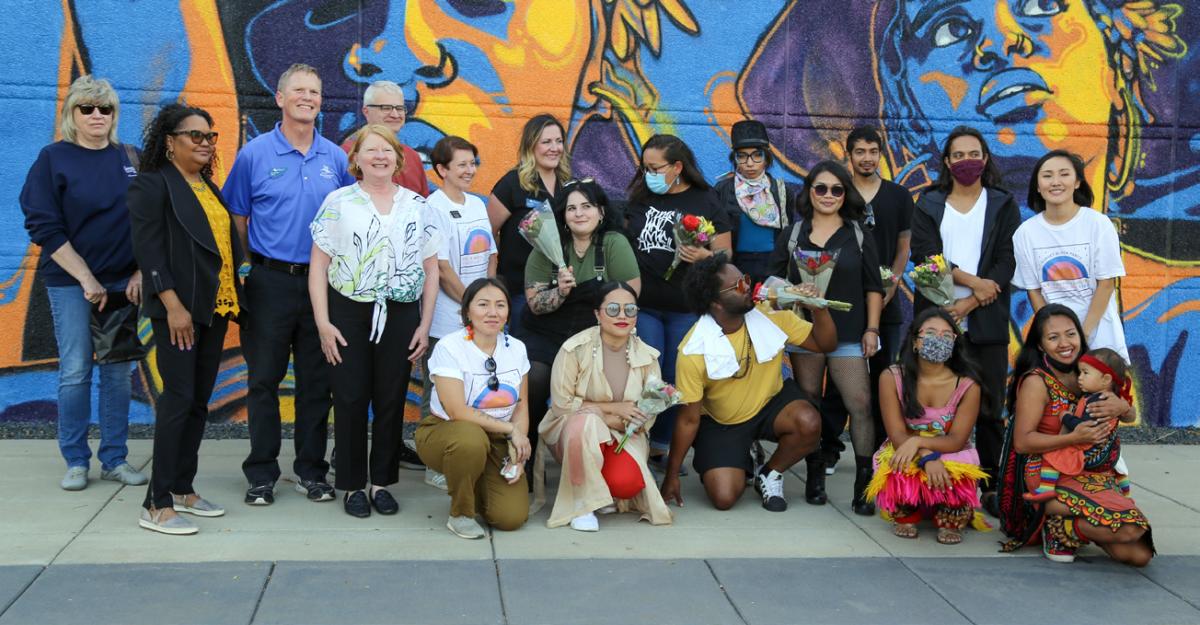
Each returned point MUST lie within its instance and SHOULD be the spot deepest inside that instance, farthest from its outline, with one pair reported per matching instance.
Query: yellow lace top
(218, 220)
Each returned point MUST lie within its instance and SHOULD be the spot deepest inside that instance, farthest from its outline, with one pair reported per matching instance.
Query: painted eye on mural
(478, 8)
(1041, 8)
(951, 31)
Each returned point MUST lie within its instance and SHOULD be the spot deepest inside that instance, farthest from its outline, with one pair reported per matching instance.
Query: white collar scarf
(720, 360)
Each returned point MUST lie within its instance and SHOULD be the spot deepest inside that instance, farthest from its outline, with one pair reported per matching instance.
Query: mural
(1109, 79)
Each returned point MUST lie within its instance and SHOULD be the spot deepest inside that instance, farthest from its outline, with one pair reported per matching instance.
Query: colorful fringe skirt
(893, 490)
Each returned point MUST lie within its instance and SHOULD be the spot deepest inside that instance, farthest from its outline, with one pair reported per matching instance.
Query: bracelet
(929, 458)
(875, 330)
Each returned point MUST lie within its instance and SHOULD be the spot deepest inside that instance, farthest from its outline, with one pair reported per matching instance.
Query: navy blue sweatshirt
(77, 195)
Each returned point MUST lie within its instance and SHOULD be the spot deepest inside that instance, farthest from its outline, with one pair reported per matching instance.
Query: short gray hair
(87, 90)
(296, 68)
(379, 87)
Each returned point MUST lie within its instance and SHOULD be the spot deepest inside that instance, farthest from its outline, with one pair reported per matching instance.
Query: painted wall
(1114, 80)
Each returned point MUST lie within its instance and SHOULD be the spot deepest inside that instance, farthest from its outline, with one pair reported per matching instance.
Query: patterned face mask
(936, 349)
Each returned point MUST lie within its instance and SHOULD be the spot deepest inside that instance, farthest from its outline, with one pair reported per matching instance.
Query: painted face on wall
(462, 61)
(1001, 65)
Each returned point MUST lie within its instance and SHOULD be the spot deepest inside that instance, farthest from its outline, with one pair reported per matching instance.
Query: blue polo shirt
(279, 190)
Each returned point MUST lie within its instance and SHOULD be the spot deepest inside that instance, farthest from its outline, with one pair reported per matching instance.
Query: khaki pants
(470, 459)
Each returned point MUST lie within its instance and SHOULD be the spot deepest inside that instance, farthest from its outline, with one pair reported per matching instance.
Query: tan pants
(471, 459)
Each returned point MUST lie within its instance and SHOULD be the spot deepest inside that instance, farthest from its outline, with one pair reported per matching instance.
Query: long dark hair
(674, 150)
(1031, 356)
(1083, 195)
(991, 171)
(593, 192)
(154, 142)
(853, 207)
(960, 363)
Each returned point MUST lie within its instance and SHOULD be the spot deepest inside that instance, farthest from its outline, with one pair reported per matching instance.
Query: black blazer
(174, 245)
(987, 324)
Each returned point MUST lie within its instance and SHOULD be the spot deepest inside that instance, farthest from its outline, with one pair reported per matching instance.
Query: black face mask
(1058, 366)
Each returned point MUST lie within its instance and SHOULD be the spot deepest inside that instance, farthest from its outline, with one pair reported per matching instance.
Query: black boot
(814, 487)
(862, 478)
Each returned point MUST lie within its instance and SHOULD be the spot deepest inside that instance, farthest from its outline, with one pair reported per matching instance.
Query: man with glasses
(383, 103)
(730, 374)
(274, 189)
(760, 206)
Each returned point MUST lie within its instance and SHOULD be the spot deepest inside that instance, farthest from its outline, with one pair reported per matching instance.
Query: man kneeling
(730, 374)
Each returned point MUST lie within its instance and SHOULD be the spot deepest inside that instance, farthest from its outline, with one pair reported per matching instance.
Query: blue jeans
(516, 308)
(664, 331)
(72, 330)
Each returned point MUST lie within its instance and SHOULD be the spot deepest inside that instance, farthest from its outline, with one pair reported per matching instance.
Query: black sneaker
(355, 504)
(384, 503)
(315, 490)
(770, 486)
(409, 458)
(261, 494)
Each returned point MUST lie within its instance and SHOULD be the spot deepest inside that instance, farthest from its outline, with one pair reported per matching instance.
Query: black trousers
(371, 375)
(833, 410)
(992, 361)
(278, 323)
(182, 409)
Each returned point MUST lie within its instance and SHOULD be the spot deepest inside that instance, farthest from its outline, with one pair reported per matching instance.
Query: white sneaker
(75, 479)
(770, 486)
(586, 523)
(435, 479)
(465, 527)
(176, 525)
(609, 509)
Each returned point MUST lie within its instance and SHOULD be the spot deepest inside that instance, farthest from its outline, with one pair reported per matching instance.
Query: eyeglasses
(198, 137)
(613, 309)
(88, 109)
(742, 285)
(388, 108)
(578, 181)
(836, 190)
(493, 382)
(948, 334)
(756, 156)
(655, 170)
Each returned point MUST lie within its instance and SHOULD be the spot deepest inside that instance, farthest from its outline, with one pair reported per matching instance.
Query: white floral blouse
(375, 258)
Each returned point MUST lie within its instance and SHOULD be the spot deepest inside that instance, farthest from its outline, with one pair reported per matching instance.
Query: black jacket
(174, 245)
(987, 324)
(788, 201)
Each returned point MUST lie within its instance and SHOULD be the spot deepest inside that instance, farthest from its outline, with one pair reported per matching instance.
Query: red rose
(691, 222)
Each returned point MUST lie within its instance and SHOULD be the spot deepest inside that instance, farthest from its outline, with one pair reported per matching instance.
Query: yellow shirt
(738, 398)
(218, 221)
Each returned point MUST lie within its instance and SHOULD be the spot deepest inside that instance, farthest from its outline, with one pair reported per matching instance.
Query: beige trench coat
(578, 376)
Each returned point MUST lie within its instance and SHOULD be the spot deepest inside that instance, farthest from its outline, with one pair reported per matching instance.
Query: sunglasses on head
(88, 109)
(578, 181)
(613, 309)
(742, 285)
(836, 190)
(198, 136)
(493, 382)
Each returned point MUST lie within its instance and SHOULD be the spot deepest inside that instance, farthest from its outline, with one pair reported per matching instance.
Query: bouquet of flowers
(689, 230)
(890, 280)
(657, 396)
(816, 268)
(540, 230)
(933, 280)
(783, 294)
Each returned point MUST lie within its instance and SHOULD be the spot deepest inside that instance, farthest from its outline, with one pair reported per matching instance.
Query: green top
(619, 262)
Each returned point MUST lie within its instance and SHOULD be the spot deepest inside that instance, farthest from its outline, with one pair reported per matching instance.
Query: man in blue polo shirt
(274, 189)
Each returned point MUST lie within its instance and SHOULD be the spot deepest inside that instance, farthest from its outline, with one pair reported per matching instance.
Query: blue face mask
(657, 183)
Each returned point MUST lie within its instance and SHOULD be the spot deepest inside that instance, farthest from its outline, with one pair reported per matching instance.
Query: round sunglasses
(836, 190)
(613, 309)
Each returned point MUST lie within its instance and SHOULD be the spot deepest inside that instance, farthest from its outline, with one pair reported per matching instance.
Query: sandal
(905, 530)
(947, 536)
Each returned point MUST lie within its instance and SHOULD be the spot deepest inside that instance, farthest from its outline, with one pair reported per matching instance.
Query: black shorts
(718, 445)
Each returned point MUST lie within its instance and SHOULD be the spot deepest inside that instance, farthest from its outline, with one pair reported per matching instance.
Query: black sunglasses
(88, 109)
(577, 181)
(836, 190)
(198, 136)
(493, 382)
(613, 309)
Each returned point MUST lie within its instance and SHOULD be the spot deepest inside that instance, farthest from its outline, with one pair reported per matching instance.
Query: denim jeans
(664, 331)
(72, 329)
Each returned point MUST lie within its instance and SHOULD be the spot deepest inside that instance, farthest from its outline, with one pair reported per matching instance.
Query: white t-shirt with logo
(1066, 260)
(456, 357)
(467, 244)
(962, 240)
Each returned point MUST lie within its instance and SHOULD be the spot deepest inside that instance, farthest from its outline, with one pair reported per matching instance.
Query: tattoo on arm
(546, 300)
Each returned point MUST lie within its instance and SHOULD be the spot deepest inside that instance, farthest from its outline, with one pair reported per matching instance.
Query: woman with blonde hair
(74, 205)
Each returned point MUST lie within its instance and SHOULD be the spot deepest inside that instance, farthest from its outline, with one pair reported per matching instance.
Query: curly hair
(702, 284)
(154, 142)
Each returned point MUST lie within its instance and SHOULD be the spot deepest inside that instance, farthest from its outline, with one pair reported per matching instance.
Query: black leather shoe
(814, 487)
(860, 505)
(356, 504)
(384, 503)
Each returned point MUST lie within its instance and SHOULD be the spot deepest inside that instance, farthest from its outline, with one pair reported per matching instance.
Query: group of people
(340, 259)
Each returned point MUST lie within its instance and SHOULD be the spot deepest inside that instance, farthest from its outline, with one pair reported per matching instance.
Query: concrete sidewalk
(80, 557)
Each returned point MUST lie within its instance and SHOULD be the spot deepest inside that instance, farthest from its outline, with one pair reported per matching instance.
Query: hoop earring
(170, 154)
